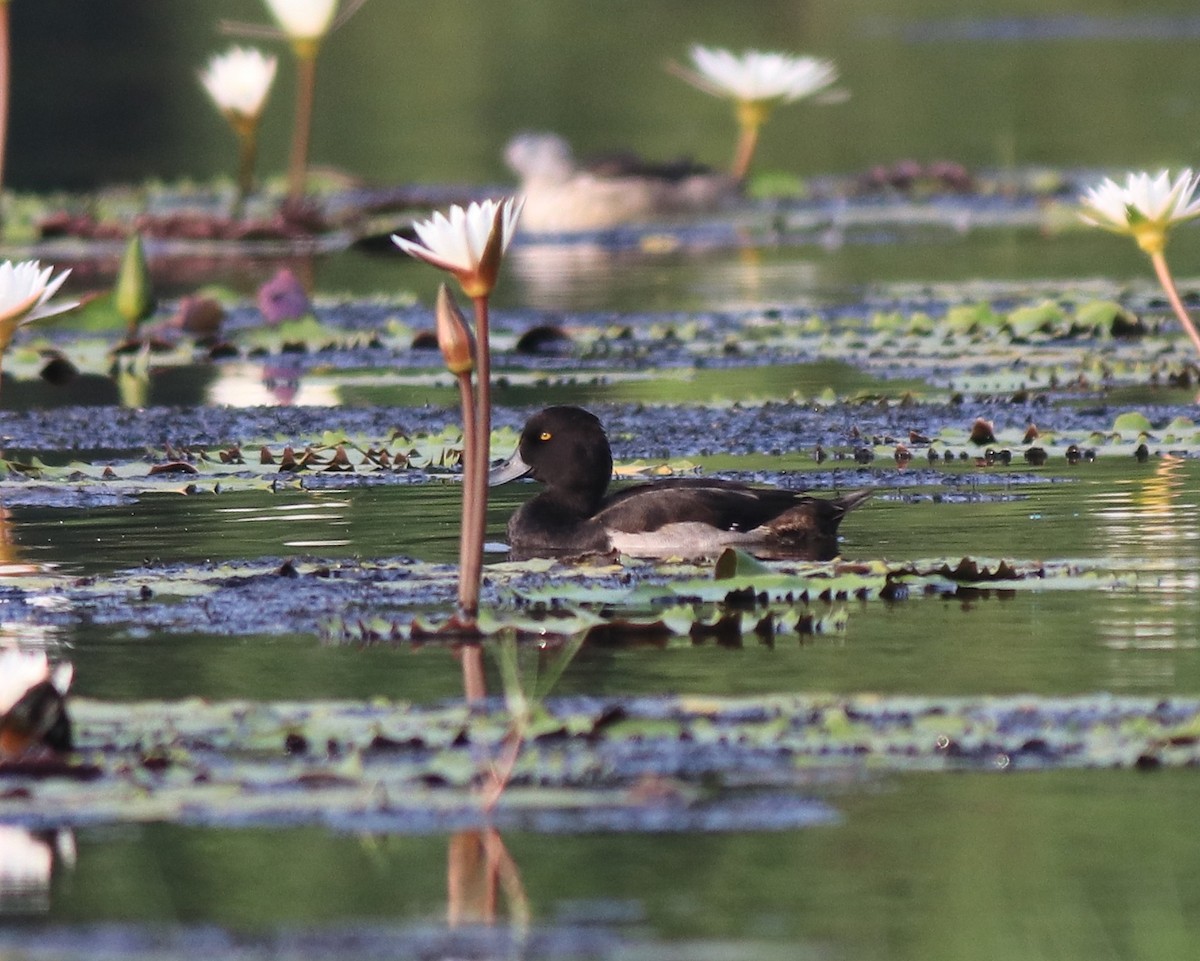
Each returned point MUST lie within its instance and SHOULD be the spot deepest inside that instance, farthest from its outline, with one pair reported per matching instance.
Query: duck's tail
(850, 501)
(815, 518)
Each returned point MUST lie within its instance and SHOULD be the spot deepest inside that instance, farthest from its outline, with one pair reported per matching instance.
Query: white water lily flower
(1145, 207)
(25, 289)
(463, 242)
(756, 76)
(238, 81)
(303, 19)
(21, 670)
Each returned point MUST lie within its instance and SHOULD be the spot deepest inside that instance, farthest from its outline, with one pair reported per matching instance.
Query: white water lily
(239, 80)
(463, 242)
(756, 82)
(21, 670)
(25, 289)
(1144, 207)
(303, 19)
(470, 243)
(756, 76)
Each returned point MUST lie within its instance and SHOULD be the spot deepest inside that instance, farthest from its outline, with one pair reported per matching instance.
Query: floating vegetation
(611, 600)
(383, 766)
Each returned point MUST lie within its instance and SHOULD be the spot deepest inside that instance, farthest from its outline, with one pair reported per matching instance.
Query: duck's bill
(508, 470)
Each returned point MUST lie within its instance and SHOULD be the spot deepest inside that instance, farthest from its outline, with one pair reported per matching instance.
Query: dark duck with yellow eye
(567, 450)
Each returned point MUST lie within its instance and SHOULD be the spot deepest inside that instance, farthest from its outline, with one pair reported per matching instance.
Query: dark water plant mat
(611, 763)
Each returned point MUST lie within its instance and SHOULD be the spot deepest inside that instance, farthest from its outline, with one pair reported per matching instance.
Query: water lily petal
(759, 76)
(1142, 201)
(458, 241)
(238, 81)
(303, 19)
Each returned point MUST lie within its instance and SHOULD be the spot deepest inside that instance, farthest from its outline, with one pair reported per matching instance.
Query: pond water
(1140, 638)
(974, 863)
(915, 867)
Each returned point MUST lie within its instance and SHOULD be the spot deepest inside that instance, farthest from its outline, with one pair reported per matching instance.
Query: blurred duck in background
(564, 195)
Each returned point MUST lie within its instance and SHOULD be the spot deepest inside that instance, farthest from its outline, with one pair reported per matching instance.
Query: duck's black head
(567, 450)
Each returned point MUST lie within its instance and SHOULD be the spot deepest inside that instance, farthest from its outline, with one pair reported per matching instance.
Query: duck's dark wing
(724, 505)
(625, 163)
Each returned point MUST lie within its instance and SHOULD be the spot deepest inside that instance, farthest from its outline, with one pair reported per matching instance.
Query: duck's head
(540, 157)
(567, 450)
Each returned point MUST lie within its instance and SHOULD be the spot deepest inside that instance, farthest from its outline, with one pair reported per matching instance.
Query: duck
(33, 708)
(565, 196)
(567, 450)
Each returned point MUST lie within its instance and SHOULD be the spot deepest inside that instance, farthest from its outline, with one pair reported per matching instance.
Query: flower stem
(751, 115)
(470, 554)
(475, 470)
(474, 681)
(1168, 285)
(744, 154)
(306, 82)
(247, 159)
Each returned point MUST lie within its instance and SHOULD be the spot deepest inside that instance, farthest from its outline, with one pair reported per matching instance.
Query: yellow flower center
(753, 113)
(306, 48)
(1150, 236)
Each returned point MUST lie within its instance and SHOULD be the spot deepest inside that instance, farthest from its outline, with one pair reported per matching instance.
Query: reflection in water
(131, 373)
(478, 863)
(27, 865)
(478, 868)
(1155, 521)
(32, 636)
(323, 513)
(722, 273)
(269, 385)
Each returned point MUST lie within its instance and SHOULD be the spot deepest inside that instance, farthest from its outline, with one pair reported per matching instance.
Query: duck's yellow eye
(545, 435)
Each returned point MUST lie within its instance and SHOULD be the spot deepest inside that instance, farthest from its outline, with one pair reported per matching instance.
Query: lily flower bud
(453, 335)
(133, 294)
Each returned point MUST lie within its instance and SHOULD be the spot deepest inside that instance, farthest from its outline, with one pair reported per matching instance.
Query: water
(1136, 639)
(1053, 864)
(917, 867)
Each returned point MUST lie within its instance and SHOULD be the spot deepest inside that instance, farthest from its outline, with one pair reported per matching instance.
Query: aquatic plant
(756, 82)
(133, 293)
(470, 244)
(1146, 208)
(25, 290)
(238, 82)
(283, 298)
(304, 24)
